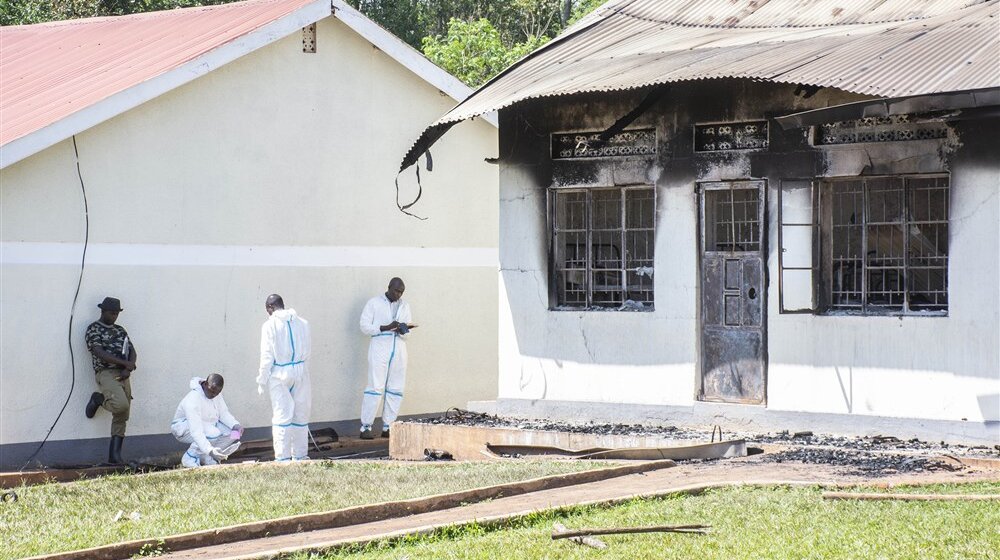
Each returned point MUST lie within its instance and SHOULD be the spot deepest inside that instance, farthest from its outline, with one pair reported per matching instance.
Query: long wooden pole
(911, 497)
(697, 529)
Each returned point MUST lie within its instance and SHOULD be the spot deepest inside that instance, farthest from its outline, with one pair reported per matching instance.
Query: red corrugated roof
(50, 71)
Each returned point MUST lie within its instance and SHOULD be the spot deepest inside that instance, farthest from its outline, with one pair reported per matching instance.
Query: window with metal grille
(881, 245)
(732, 218)
(602, 247)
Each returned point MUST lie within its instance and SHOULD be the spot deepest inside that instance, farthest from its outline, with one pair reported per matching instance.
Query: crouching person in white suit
(204, 421)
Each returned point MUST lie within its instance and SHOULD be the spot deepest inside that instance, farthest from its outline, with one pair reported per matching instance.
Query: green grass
(59, 517)
(747, 523)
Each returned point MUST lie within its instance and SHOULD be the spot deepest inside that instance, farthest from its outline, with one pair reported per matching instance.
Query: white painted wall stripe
(129, 254)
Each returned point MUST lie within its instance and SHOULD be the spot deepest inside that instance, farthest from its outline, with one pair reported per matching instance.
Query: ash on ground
(870, 455)
(873, 443)
(456, 417)
(860, 463)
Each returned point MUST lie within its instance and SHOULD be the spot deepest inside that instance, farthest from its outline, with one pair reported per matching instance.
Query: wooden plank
(31, 478)
(717, 450)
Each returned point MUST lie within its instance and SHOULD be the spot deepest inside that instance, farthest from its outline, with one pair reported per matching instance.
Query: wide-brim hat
(111, 304)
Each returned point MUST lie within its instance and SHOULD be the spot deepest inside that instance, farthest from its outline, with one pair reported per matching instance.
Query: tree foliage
(514, 20)
(473, 51)
(24, 12)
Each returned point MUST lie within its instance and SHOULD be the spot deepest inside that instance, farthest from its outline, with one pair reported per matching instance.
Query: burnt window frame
(822, 247)
(555, 269)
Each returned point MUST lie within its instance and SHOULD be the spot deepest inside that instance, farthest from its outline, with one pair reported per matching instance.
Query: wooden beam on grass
(911, 497)
(586, 541)
(695, 529)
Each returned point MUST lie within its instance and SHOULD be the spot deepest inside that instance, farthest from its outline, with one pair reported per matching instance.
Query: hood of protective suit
(284, 314)
(196, 382)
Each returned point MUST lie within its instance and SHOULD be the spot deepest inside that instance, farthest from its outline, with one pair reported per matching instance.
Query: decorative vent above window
(894, 128)
(576, 145)
(730, 136)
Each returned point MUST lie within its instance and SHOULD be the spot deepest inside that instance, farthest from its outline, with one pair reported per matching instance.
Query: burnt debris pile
(459, 417)
(860, 463)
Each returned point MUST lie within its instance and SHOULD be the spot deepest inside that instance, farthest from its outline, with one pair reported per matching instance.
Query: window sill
(645, 309)
(889, 314)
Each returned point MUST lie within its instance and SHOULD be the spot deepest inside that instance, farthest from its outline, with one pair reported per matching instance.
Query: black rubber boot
(115, 450)
(95, 402)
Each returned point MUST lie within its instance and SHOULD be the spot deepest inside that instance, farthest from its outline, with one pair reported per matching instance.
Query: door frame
(700, 188)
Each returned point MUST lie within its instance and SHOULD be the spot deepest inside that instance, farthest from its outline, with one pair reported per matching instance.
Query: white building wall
(941, 368)
(596, 356)
(273, 173)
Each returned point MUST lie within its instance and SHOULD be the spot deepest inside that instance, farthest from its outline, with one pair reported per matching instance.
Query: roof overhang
(913, 104)
(879, 48)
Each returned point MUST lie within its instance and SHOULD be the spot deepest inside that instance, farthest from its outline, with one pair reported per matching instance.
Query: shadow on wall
(989, 405)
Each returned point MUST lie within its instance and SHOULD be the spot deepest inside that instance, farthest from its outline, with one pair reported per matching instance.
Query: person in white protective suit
(386, 320)
(285, 347)
(204, 421)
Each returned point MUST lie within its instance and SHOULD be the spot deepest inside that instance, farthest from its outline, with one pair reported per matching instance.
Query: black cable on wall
(72, 309)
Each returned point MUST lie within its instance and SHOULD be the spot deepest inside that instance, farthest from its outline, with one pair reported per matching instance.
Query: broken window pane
(640, 210)
(603, 247)
(888, 249)
(927, 244)
(571, 210)
(846, 255)
(732, 220)
(606, 209)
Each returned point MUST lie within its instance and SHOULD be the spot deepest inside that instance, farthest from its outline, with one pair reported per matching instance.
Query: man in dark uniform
(114, 361)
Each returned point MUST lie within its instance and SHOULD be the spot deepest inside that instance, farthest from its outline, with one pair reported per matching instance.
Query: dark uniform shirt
(113, 339)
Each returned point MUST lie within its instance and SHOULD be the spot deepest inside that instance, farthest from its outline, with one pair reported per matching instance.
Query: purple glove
(236, 433)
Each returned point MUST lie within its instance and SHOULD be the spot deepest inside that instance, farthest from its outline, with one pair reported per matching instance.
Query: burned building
(761, 214)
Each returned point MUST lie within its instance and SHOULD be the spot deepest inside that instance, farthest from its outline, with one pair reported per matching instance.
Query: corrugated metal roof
(52, 70)
(887, 48)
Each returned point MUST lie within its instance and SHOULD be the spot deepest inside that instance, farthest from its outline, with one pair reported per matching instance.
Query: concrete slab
(746, 418)
(468, 443)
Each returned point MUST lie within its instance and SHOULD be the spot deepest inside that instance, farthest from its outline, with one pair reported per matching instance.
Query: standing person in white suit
(386, 320)
(204, 421)
(285, 347)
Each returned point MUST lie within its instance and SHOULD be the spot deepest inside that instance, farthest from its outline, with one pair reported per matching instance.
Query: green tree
(581, 8)
(473, 50)
(514, 20)
(402, 18)
(24, 12)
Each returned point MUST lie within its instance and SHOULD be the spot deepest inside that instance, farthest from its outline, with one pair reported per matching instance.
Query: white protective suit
(386, 359)
(285, 347)
(204, 423)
